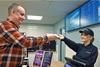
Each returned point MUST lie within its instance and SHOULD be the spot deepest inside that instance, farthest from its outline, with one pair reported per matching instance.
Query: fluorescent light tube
(32, 17)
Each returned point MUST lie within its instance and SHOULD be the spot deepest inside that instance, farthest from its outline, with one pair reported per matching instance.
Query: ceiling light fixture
(32, 17)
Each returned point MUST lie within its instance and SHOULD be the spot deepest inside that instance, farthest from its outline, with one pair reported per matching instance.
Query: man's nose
(24, 18)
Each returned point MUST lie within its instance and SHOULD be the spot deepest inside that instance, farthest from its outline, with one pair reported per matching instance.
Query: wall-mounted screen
(86, 15)
(98, 12)
(73, 19)
(89, 13)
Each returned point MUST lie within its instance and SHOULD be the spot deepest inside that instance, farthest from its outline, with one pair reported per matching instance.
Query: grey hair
(12, 7)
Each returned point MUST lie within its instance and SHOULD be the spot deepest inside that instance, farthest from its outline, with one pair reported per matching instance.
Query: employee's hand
(52, 37)
(61, 36)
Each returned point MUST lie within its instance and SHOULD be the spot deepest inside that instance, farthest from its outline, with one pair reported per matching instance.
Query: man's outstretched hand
(52, 37)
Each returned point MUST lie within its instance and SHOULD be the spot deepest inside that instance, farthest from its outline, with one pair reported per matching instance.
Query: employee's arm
(73, 45)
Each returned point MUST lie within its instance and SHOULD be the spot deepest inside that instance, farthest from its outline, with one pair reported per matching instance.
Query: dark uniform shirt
(86, 54)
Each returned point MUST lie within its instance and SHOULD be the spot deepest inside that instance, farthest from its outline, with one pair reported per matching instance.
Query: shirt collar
(13, 23)
(88, 45)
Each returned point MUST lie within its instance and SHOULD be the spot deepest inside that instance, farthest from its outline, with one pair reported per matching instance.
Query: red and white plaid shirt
(12, 43)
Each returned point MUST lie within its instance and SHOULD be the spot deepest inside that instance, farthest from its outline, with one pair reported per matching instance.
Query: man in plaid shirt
(12, 41)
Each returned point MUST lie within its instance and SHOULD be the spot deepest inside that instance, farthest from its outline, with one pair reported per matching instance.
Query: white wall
(36, 29)
(57, 28)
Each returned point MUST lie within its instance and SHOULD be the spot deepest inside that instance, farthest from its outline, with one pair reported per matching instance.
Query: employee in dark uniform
(86, 52)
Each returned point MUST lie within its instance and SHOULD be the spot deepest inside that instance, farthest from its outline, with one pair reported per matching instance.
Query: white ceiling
(52, 11)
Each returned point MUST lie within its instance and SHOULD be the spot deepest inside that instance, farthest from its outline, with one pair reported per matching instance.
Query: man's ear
(12, 12)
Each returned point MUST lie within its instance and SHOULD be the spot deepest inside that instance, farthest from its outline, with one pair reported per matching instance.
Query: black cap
(87, 31)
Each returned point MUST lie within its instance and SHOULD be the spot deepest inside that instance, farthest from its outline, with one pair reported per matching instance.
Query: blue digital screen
(89, 13)
(86, 15)
(98, 14)
(73, 20)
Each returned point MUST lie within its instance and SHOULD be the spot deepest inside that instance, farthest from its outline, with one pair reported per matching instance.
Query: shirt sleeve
(73, 45)
(12, 35)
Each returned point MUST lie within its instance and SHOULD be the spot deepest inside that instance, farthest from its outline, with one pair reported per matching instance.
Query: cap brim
(81, 31)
